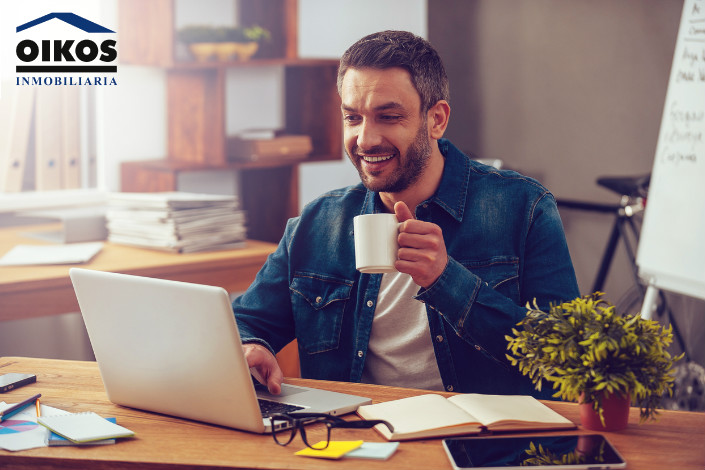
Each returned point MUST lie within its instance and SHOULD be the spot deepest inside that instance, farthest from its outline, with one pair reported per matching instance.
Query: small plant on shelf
(248, 34)
(224, 42)
(588, 352)
(195, 34)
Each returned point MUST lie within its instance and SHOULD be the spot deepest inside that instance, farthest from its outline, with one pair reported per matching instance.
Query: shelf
(217, 65)
(147, 37)
(196, 114)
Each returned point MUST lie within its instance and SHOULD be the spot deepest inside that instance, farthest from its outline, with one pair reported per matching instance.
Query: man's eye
(351, 119)
(390, 117)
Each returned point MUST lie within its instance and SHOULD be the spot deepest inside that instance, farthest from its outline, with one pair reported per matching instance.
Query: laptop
(174, 348)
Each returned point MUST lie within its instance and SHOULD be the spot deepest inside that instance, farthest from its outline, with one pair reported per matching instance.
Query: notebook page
(511, 408)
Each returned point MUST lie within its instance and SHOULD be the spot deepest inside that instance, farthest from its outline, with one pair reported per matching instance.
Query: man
(476, 244)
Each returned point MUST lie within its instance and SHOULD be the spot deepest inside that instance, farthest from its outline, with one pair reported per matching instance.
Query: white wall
(327, 28)
(131, 117)
(131, 121)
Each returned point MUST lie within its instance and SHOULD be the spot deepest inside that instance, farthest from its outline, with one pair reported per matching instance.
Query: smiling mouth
(369, 159)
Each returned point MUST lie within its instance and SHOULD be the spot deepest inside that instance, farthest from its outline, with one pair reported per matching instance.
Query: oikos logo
(64, 50)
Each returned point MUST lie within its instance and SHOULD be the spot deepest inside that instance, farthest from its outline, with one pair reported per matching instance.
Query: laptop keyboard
(269, 408)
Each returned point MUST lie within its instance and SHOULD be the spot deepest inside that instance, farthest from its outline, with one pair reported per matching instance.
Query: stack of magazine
(176, 221)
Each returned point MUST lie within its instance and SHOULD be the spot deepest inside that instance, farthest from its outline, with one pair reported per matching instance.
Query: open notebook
(433, 415)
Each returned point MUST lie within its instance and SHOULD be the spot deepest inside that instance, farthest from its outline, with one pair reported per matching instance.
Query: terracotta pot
(245, 50)
(226, 51)
(203, 51)
(615, 409)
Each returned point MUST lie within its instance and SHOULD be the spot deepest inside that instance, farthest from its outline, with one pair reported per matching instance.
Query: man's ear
(438, 117)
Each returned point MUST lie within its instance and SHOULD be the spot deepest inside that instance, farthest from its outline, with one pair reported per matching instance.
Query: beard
(412, 165)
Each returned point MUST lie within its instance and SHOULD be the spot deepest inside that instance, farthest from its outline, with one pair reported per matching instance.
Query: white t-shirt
(400, 350)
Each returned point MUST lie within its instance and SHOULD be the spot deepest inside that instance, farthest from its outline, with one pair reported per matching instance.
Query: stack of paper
(175, 221)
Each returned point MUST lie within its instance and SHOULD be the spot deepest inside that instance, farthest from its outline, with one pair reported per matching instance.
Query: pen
(39, 410)
(18, 407)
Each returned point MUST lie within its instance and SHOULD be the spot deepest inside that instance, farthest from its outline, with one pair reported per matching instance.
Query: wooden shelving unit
(197, 115)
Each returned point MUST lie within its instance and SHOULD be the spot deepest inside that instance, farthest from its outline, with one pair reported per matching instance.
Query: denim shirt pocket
(501, 273)
(318, 303)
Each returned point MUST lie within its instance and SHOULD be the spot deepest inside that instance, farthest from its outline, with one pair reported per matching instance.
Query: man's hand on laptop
(264, 367)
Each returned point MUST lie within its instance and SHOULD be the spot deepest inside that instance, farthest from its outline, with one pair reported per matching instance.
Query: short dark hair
(387, 49)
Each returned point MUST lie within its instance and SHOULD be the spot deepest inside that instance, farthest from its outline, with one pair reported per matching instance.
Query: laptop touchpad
(287, 391)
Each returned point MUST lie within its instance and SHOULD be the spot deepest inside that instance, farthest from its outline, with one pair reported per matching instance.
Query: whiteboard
(671, 252)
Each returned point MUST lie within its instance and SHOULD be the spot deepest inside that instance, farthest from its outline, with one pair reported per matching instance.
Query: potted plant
(596, 357)
(240, 42)
(223, 42)
(201, 40)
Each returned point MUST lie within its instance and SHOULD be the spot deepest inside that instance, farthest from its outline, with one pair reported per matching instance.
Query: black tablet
(570, 452)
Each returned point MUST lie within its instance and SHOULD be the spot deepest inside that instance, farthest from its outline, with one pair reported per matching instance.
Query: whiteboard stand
(650, 300)
(651, 304)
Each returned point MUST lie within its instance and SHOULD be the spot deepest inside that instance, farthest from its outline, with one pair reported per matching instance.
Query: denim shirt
(506, 247)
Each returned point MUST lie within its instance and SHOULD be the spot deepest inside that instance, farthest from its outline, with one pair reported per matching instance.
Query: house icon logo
(70, 18)
(85, 48)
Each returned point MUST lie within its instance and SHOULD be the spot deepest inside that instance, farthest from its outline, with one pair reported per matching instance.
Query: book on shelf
(259, 133)
(295, 147)
(432, 415)
(176, 221)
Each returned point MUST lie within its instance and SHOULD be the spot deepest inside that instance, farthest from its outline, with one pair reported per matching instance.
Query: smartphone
(11, 381)
(569, 452)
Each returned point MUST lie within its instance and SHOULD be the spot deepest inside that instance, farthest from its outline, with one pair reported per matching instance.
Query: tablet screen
(556, 452)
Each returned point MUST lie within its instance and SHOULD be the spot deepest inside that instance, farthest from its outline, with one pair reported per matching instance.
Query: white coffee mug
(376, 242)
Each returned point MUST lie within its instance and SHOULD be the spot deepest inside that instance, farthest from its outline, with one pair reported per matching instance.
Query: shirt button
(370, 303)
(439, 338)
(319, 300)
(449, 388)
(360, 354)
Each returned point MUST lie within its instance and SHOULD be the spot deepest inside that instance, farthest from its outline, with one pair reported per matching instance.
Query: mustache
(373, 150)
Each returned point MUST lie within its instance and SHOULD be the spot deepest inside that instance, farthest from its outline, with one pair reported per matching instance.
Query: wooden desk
(673, 442)
(35, 291)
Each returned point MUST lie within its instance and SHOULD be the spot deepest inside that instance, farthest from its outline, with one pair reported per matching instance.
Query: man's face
(386, 137)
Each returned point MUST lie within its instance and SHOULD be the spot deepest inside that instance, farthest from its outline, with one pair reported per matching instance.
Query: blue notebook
(84, 427)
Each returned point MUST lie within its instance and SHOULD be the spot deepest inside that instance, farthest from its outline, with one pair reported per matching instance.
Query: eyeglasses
(285, 426)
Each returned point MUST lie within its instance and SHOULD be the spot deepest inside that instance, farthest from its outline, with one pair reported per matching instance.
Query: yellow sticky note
(335, 449)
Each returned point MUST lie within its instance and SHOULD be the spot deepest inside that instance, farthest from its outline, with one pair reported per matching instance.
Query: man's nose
(368, 135)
